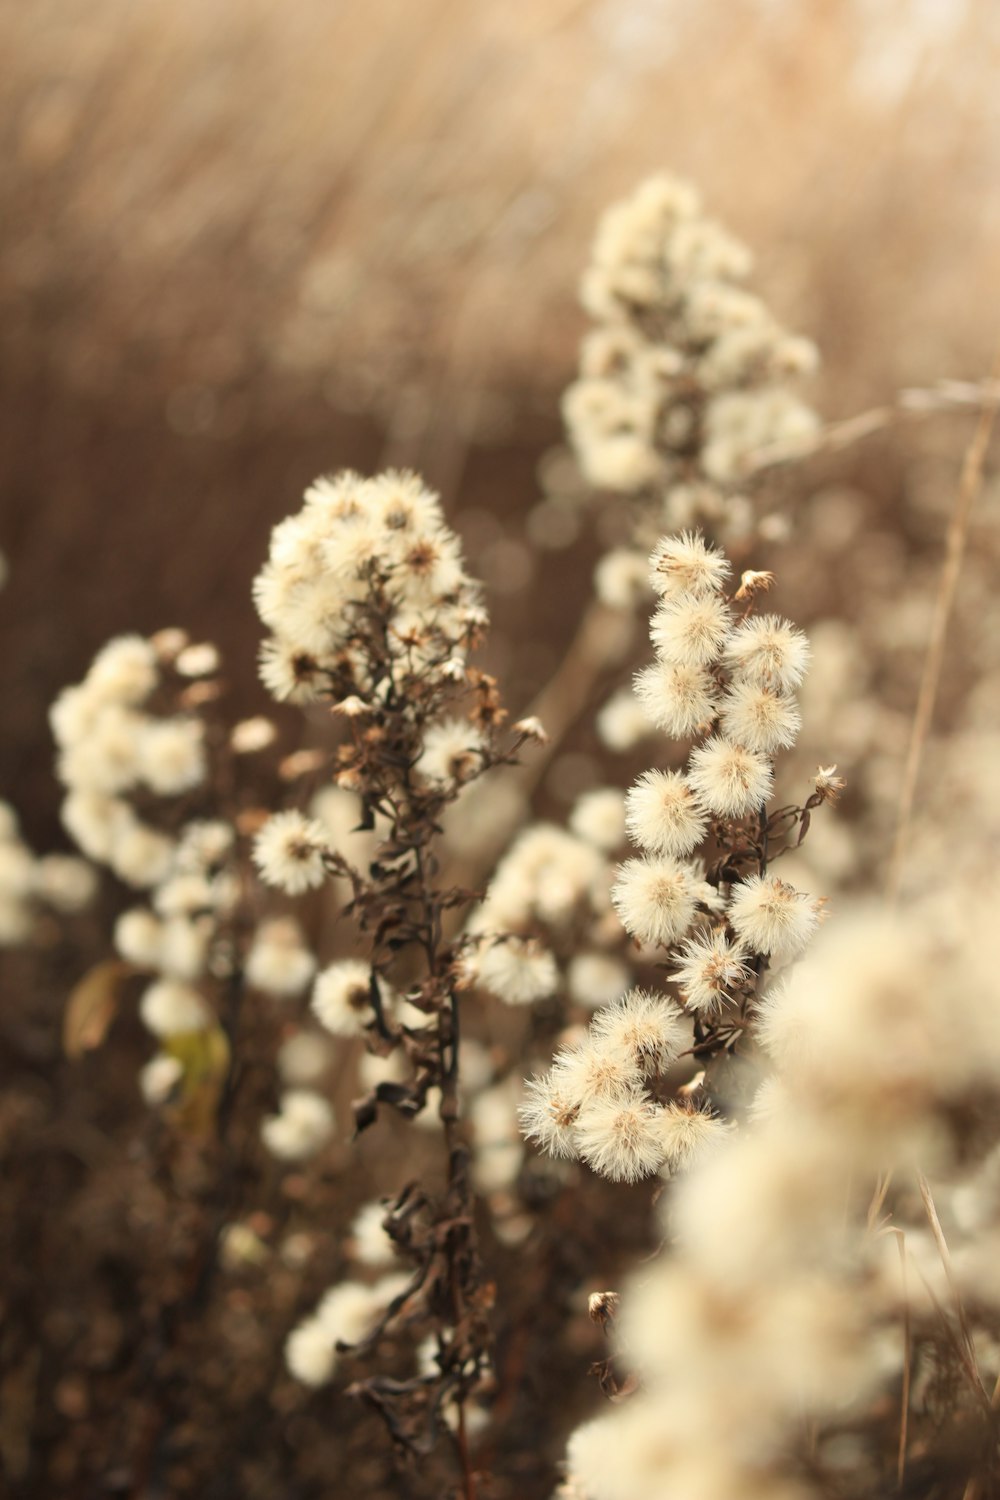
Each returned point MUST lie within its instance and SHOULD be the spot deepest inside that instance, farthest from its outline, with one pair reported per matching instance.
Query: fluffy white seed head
(548, 1114)
(279, 963)
(370, 1244)
(599, 817)
(169, 1008)
(662, 815)
(595, 979)
(591, 1070)
(310, 1355)
(518, 971)
(619, 1136)
(341, 998)
(772, 917)
(729, 779)
(159, 1077)
(759, 718)
(678, 699)
(453, 751)
(685, 1134)
(655, 899)
(709, 966)
(768, 651)
(685, 564)
(647, 1029)
(691, 630)
(303, 1126)
(171, 755)
(288, 852)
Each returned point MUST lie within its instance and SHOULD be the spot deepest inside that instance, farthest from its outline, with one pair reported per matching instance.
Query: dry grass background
(245, 243)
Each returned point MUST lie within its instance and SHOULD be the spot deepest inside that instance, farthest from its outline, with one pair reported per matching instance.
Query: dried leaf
(204, 1056)
(92, 1006)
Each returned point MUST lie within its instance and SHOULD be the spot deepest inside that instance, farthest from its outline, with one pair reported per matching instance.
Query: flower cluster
(728, 683)
(366, 595)
(688, 374)
(802, 1299)
(56, 882)
(599, 1103)
(117, 746)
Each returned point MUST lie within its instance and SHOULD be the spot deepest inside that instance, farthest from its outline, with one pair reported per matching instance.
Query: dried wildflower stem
(969, 487)
(904, 1400)
(945, 1254)
(948, 396)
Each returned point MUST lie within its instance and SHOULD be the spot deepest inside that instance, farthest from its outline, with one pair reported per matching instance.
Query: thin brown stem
(970, 485)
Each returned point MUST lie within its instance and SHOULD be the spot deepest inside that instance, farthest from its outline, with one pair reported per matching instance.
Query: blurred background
(244, 244)
(247, 243)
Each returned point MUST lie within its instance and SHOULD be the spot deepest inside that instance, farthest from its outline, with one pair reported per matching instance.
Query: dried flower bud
(753, 583)
(602, 1307)
(828, 784)
(531, 729)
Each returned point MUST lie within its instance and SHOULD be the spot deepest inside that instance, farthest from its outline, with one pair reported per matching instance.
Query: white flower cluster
(302, 1126)
(776, 1308)
(177, 938)
(689, 374)
(353, 535)
(596, 1103)
(546, 879)
(112, 746)
(730, 685)
(346, 1314)
(59, 882)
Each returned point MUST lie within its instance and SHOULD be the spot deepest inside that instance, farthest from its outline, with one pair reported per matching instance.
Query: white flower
(685, 564)
(350, 1311)
(342, 998)
(171, 755)
(655, 900)
(93, 820)
(309, 1353)
(139, 855)
(619, 1136)
(169, 1008)
(595, 979)
(661, 814)
(302, 1128)
(709, 965)
(370, 1243)
(123, 671)
(548, 1114)
(199, 660)
(729, 779)
(599, 817)
(621, 722)
(159, 1077)
(621, 578)
(518, 971)
(768, 651)
(594, 1070)
(184, 947)
(761, 720)
(648, 1029)
(452, 752)
(279, 963)
(773, 917)
(686, 1133)
(304, 1058)
(691, 630)
(288, 852)
(65, 883)
(678, 699)
(290, 674)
